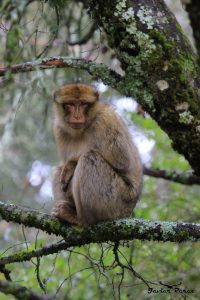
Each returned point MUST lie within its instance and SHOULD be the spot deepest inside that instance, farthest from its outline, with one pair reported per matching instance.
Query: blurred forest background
(33, 29)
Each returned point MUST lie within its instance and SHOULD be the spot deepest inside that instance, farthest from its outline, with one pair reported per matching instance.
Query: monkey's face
(74, 103)
(75, 113)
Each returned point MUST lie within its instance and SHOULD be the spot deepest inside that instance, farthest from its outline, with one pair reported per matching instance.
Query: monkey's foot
(65, 213)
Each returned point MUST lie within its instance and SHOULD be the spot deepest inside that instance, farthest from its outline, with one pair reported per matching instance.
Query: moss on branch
(20, 292)
(124, 229)
(28, 255)
(161, 69)
(107, 75)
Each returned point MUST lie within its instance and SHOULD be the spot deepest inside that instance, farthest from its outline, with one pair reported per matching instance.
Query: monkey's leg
(99, 192)
(67, 174)
(64, 206)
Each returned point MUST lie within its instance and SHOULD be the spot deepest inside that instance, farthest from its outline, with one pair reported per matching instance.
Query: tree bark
(160, 68)
(124, 229)
(20, 292)
(186, 178)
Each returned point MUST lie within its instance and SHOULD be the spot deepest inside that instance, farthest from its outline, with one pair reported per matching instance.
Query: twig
(85, 38)
(187, 178)
(28, 255)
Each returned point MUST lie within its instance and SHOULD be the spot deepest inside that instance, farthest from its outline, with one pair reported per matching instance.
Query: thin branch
(28, 255)
(54, 35)
(96, 70)
(85, 38)
(128, 266)
(124, 229)
(20, 292)
(38, 276)
(186, 178)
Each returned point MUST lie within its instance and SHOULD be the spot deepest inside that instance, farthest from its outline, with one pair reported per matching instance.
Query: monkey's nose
(77, 116)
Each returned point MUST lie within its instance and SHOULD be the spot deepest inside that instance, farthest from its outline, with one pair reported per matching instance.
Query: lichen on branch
(161, 69)
(107, 75)
(124, 229)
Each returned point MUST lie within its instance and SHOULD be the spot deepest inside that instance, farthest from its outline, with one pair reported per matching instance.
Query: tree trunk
(160, 67)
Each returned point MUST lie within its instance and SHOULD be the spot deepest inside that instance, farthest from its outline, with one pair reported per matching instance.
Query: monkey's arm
(117, 149)
(118, 154)
(113, 142)
(67, 174)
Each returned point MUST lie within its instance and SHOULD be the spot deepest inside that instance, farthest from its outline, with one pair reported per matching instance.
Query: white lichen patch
(162, 20)
(128, 14)
(129, 17)
(132, 29)
(121, 5)
(182, 106)
(198, 129)
(186, 117)
(166, 67)
(145, 16)
(198, 92)
(162, 85)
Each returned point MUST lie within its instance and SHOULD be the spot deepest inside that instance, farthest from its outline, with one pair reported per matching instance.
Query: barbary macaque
(100, 175)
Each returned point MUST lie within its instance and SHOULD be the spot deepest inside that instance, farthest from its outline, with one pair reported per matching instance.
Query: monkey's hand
(67, 174)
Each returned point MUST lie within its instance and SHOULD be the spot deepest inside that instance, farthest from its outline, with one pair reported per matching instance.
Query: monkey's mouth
(77, 125)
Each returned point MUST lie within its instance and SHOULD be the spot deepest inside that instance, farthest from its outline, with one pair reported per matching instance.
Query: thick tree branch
(125, 229)
(20, 292)
(109, 76)
(186, 178)
(161, 70)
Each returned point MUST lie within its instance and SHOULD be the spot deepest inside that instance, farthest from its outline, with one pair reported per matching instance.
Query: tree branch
(107, 75)
(186, 178)
(6, 272)
(28, 255)
(20, 292)
(125, 229)
(161, 69)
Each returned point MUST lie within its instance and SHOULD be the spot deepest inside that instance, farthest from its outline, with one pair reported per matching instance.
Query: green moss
(160, 38)
(183, 235)
(53, 224)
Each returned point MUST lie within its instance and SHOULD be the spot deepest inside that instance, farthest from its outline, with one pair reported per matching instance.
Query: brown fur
(101, 174)
(79, 91)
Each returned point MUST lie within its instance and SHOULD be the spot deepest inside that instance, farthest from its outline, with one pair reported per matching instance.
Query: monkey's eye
(67, 105)
(85, 105)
